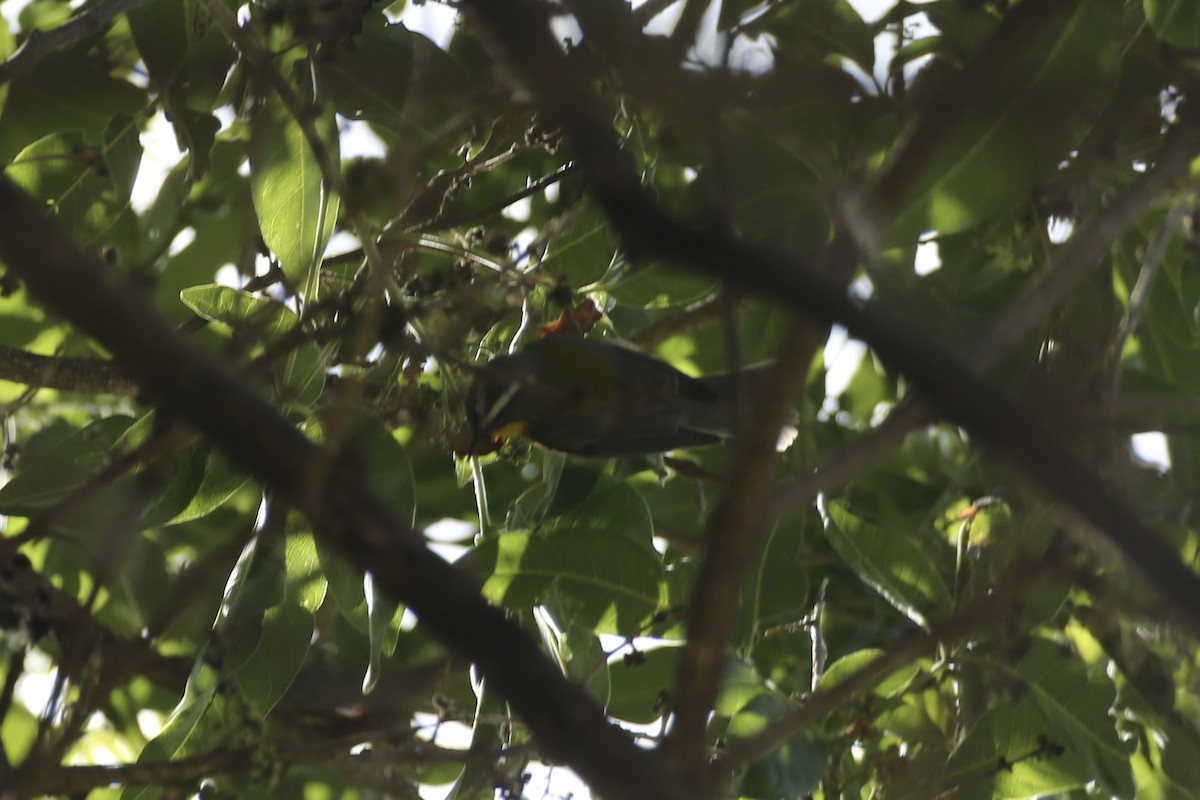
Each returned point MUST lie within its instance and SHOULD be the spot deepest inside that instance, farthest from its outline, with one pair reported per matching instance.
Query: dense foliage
(904, 604)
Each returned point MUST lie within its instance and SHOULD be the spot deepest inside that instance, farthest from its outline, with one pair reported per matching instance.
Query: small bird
(590, 397)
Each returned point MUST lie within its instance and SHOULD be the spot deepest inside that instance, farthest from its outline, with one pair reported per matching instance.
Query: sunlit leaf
(296, 209)
(889, 563)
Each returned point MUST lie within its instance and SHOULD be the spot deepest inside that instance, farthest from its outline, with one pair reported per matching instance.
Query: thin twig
(990, 610)
(1139, 296)
(684, 322)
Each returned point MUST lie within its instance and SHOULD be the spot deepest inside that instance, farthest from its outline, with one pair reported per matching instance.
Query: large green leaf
(86, 183)
(777, 592)
(602, 579)
(1077, 702)
(396, 78)
(352, 434)
(287, 627)
(641, 682)
(1037, 105)
(296, 210)
(847, 666)
(266, 318)
(220, 482)
(583, 253)
(69, 90)
(660, 287)
(617, 508)
(190, 728)
(1177, 22)
(187, 58)
(45, 482)
(996, 759)
(890, 563)
(794, 769)
(817, 29)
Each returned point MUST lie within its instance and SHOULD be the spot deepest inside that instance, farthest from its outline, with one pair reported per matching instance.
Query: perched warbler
(590, 397)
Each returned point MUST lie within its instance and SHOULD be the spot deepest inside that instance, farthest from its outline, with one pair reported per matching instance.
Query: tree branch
(736, 531)
(1079, 255)
(188, 383)
(522, 29)
(42, 43)
(374, 767)
(986, 612)
(84, 375)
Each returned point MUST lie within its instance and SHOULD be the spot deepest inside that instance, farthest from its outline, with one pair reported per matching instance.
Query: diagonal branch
(1081, 254)
(88, 375)
(84, 24)
(188, 384)
(736, 532)
(522, 29)
(984, 613)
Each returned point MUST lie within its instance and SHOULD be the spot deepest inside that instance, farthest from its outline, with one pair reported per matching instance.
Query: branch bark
(521, 28)
(188, 384)
(85, 375)
(42, 43)
(736, 532)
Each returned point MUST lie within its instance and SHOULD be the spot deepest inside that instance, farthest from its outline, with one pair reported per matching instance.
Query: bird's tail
(733, 395)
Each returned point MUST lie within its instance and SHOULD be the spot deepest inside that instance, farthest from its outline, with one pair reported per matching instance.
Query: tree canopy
(253, 546)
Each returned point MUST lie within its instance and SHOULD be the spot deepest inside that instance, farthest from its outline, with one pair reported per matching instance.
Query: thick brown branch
(522, 28)
(1080, 254)
(374, 768)
(736, 532)
(188, 383)
(85, 375)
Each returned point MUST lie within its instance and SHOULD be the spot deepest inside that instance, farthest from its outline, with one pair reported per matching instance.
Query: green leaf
(847, 666)
(1177, 22)
(6, 49)
(661, 287)
(604, 581)
(189, 728)
(267, 319)
(794, 769)
(396, 78)
(68, 91)
(816, 29)
(640, 684)
(889, 563)
(1038, 105)
(772, 180)
(618, 509)
(220, 482)
(1077, 703)
(300, 375)
(777, 593)
(587, 663)
(86, 183)
(296, 210)
(48, 480)
(995, 759)
(286, 628)
(565, 484)
(582, 254)
(350, 433)
(186, 55)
